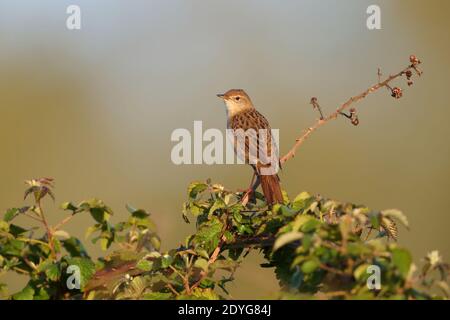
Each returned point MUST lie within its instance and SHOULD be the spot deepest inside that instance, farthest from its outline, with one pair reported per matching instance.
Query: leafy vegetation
(318, 248)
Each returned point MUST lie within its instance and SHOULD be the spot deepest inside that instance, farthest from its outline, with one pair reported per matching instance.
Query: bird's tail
(271, 189)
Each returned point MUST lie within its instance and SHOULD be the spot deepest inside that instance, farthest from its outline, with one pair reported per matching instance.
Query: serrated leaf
(4, 226)
(302, 197)
(310, 225)
(208, 234)
(201, 264)
(53, 272)
(218, 204)
(86, 266)
(145, 265)
(195, 188)
(10, 214)
(166, 261)
(286, 238)
(202, 253)
(360, 272)
(402, 260)
(75, 247)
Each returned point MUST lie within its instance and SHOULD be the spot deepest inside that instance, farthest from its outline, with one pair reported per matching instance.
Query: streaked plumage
(242, 115)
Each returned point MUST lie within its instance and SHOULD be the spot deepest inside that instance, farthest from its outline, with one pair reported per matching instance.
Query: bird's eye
(237, 98)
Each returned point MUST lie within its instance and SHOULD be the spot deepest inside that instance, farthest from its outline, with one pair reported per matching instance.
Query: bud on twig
(352, 116)
(397, 93)
(316, 106)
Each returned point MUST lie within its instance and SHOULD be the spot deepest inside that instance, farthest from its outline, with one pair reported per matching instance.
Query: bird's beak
(220, 95)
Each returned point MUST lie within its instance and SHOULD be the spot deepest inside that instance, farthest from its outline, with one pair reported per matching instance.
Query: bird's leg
(250, 193)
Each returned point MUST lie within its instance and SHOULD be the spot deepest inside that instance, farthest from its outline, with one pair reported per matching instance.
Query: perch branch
(319, 123)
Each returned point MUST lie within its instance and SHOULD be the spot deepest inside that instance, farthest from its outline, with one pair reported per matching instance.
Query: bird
(258, 148)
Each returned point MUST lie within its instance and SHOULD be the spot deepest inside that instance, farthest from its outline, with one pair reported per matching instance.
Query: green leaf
(156, 242)
(10, 214)
(75, 247)
(42, 294)
(53, 272)
(360, 272)
(4, 226)
(195, 188)
(69, 206)
(87, 268)
(310, 225)
(157, 296)
(137, 213)
(310, 266)
(375, 220)
(105, 243)
(27, 293)
(90, 230)
(402, 259)
(286, 211)
(166, 260)
(202, 253)
(208, 234)
(218, 204)
(145, 265)
(229, 237)
(16, 231)
(301, 197)
(302, 201)
(62, 234)
(99, 215)
(201, 264)
(98, 210)
(287, 238)
(300, 221)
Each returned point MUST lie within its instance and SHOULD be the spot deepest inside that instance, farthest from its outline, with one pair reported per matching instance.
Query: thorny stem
(64, 221)
(211, 260)
(47, 228)
(343, 107)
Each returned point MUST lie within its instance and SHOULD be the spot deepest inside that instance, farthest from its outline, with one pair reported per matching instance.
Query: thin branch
(171, 288)
(32, 217)
(183, 278)
(344, 106)
(211, 260)
(64, 221)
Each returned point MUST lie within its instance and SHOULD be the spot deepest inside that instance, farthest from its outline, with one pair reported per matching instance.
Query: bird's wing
(253, 140)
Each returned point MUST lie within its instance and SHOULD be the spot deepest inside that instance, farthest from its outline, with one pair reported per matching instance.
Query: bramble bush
(318, 248)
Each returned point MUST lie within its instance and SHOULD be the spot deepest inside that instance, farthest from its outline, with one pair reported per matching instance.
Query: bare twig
(64, 221)
(171, 288)
(346, 104)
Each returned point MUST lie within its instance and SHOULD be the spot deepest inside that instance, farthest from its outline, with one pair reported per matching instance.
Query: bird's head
(236, 101)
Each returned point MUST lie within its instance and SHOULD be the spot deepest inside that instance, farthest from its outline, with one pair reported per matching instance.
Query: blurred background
(94, 108)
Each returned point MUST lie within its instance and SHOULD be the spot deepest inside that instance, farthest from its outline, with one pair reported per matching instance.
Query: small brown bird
(258, 147)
